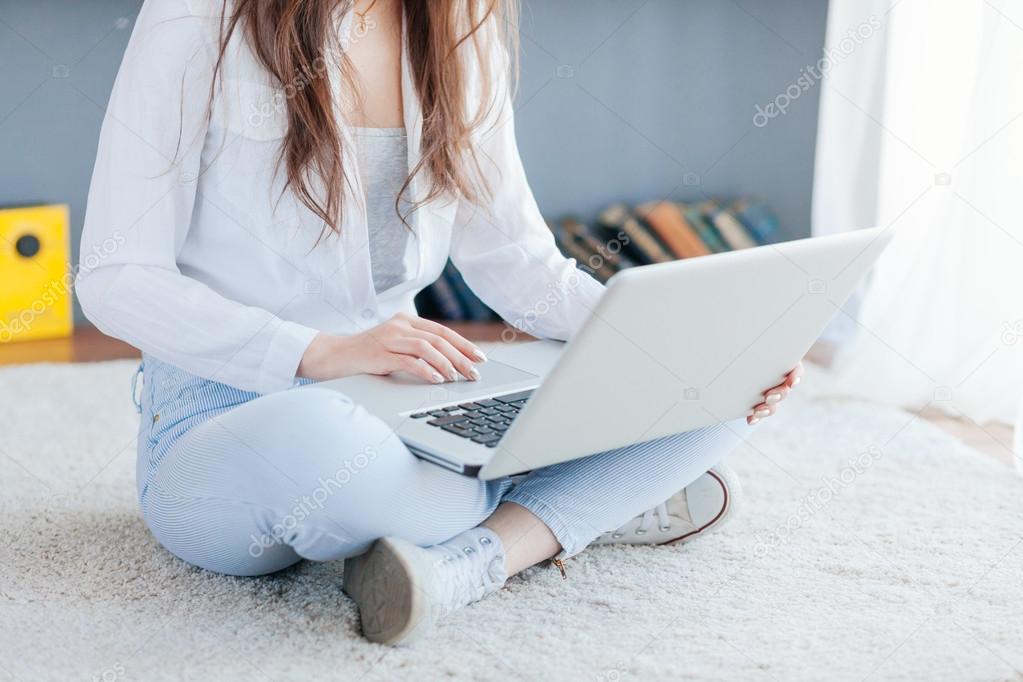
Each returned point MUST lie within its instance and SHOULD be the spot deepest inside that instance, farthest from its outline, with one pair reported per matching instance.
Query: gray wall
(666, 88)
(620, 99)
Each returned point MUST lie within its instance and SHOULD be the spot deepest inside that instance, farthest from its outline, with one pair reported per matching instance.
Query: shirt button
(368, 313)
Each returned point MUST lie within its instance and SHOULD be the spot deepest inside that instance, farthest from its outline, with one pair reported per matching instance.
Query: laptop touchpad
(494, 375)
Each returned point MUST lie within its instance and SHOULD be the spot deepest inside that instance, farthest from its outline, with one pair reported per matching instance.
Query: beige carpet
(906, 564)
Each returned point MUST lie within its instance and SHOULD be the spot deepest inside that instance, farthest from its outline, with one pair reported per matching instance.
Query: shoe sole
(729, 482)
(392, 609)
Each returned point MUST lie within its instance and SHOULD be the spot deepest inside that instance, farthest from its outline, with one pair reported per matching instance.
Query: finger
(795, 376)
(763, 411)
(466, 347)
(776, 394)
(424, 350)
(415, 366)
(457, 358)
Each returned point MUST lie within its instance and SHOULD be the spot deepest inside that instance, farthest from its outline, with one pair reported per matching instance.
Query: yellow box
(35, 273)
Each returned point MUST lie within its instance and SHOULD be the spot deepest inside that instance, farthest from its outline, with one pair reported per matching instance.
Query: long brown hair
(448, 41)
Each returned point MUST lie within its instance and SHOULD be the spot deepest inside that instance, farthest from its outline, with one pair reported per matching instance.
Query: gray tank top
(382, 155)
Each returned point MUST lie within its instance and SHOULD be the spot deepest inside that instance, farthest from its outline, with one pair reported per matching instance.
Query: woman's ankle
(525, 538)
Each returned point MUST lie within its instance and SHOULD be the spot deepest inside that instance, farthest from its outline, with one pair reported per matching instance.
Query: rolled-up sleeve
(140, 209)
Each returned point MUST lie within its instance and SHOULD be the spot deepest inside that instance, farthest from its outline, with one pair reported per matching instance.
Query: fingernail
(762, 412)
(475, 374)
(453, 376)
(795, 382)
(480, 355)
(753, 420)
(773, 398)
(437, 378)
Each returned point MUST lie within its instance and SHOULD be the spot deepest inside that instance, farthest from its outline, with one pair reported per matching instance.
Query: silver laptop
(669, 348)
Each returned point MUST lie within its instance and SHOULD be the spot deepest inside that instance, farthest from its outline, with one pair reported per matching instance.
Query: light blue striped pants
(244, 484)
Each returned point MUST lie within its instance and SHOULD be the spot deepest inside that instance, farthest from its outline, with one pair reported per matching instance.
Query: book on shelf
(440, 301)
(643, 246)
(450, 298)
(757, 218)
(707, 231)
(594, 256)
(671, 226)
(609, 251)
(732, 230)
(572, 246)
(474, 310)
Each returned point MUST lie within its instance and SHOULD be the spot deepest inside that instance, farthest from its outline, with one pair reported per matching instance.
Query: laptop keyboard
(482, 421)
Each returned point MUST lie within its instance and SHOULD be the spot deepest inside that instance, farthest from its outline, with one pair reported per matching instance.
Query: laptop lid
(682, 345)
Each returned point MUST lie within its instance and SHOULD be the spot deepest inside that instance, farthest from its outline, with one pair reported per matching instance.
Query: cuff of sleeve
(287, 346)
(587, 294)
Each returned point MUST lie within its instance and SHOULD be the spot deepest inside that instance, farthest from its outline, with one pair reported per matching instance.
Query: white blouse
(192, 250)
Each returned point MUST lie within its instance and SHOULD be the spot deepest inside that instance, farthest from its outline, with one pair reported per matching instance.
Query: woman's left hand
(774, 396)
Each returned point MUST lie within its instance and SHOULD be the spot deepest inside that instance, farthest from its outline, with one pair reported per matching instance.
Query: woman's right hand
(405, 343)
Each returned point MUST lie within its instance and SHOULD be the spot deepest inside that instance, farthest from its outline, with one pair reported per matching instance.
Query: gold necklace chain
(362, 16)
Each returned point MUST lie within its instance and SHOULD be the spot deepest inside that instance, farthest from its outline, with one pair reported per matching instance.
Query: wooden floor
(90, 345)
(994, 439)
(87, 345)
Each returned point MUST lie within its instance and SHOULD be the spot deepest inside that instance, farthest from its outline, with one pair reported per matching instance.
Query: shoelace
(469, 573)
(645, 522)
(663, 520)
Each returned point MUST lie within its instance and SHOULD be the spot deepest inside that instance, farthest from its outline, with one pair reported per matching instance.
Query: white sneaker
(402, 590)
(706, 503)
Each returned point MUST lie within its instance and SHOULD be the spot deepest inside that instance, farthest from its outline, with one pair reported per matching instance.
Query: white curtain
(922, 130)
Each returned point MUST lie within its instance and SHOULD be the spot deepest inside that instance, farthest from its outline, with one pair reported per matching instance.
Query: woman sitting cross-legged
(278, 180)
